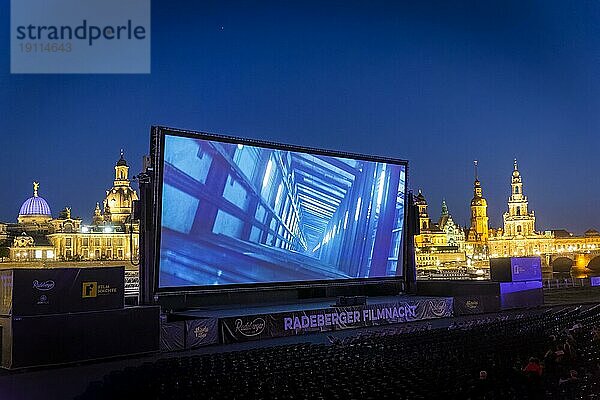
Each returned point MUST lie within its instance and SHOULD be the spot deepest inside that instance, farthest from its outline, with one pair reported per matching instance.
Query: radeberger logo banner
(80, 36)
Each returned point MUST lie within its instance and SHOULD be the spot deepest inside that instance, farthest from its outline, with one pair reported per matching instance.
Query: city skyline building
(439, 243)
(559, 249)
(38, 237)
(478, 232)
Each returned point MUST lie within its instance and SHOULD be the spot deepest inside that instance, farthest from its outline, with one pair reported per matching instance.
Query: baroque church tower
(518, 221)
(478, 233)
(424, 220)
(119, 199)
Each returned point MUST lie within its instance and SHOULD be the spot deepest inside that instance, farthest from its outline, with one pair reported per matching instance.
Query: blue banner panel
(595, 280)
(521, 294)
(526, 269)
(254, 327)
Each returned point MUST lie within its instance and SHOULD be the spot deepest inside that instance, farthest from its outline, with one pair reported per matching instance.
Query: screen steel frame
(157, 150)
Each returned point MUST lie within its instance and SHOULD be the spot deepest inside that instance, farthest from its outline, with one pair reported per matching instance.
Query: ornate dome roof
(121, 161)
(35, 205)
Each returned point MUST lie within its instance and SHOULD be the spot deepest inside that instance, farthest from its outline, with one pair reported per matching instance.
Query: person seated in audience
(559, 354)
(533, 367)
(571, 349)
(595, 334)
(572, 379)
(577, 326)
(482, 387)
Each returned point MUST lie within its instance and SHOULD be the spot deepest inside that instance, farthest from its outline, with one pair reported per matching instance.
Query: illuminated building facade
(560, 251)
(112, 235)
(518, 237)
(478, 233)
(440, 244)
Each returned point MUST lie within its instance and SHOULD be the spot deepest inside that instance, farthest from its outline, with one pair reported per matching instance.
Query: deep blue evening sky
(437, 84)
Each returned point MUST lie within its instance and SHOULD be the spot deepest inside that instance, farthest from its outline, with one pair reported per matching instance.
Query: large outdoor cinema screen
(239, 212)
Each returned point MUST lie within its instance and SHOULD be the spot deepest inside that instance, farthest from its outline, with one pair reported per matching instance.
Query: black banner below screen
(264, 326)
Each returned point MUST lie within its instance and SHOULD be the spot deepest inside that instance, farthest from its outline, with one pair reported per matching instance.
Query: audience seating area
(554, 354)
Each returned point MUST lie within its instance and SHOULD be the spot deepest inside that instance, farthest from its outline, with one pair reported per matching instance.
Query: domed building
(35, 210)
(27, 239)
(119, 199)
(111, 236)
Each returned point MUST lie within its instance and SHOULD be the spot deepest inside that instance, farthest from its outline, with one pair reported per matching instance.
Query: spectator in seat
(482, 387)
(559, 354)
(549, 359)
(533, 367)
(572, 379)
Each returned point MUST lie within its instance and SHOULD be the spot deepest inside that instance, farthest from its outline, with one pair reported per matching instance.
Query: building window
(97, 253)
(109, 253)
(119, 241)
(68, 242)
(120, 253)
(109, 241)
(68, 254)
(85, 254)
(518, 228)
(38, 254)
(86, 241)
(49, 254)
(97, 242)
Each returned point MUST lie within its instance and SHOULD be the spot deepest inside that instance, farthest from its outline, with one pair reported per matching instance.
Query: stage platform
(240, 323)
(306, 305)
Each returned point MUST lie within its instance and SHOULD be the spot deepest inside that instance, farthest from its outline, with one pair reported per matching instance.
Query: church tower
(478, 233)
(119, 199)
(424, 220)
(518, 221)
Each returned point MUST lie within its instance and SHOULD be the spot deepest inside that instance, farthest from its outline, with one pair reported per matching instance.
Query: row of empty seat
(480, 359)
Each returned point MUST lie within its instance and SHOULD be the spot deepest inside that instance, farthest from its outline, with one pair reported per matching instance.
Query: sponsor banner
(476, 304)
(246, 328)
(464, 305)
(36, 291)
(256, 327)
(172, 336)
(201, 332)
(515, 269)
(595, 281)
(526, 269)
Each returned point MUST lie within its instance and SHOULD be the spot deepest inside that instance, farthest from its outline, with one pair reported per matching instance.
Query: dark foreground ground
(67, 382)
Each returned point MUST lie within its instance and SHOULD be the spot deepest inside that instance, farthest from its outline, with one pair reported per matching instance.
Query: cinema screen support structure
(238, 213)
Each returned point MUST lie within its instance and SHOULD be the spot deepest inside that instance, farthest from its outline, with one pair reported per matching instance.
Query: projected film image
(239, 214)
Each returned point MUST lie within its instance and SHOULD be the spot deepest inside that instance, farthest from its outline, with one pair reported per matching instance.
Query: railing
(563, 283)
(132, 283)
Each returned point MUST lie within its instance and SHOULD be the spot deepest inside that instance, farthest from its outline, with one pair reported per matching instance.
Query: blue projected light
(236, 213)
